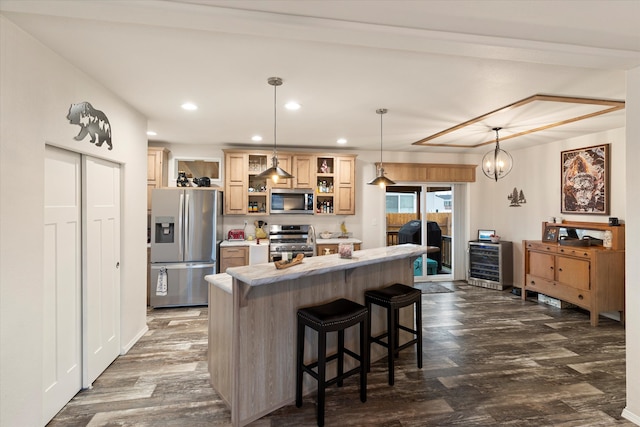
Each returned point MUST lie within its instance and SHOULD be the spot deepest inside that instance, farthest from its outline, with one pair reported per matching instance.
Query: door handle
(118, 264)
(181, 227)
(187, 224)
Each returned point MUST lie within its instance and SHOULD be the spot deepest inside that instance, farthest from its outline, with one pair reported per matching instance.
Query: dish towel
(161, 286)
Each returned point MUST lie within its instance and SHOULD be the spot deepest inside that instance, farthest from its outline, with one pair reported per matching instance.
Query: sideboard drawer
(542, 246)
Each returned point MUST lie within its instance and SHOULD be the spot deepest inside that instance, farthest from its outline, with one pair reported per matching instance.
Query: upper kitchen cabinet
(157, 170)
(344, 185)
(332, 177)
(335, 185)
(236, 183)
(302, 170)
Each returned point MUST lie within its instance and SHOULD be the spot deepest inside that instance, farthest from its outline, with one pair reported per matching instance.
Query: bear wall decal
(92, 122)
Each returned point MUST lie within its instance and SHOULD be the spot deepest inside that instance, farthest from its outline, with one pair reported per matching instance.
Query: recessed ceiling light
(256, 138)
(189, 106)
(151, 133)
(341, 141)
(292, 105)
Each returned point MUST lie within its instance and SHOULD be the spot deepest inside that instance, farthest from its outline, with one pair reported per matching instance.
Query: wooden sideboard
(591, 277)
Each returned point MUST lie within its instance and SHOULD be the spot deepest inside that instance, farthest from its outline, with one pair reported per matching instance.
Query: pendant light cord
(275, 120)
(381, 139)
(381, 111)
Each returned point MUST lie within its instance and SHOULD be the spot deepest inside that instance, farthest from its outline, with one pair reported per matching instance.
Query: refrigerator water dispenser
(165, 229)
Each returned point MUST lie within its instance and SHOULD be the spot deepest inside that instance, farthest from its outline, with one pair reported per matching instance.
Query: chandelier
(497, 163)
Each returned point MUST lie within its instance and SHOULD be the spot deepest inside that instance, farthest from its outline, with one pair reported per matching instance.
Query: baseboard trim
(125, 349)
(634, 418)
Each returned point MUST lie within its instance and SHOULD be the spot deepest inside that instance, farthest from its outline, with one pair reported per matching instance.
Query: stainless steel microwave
(291, 201)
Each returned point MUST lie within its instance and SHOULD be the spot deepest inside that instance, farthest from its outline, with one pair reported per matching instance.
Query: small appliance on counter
(235, 234)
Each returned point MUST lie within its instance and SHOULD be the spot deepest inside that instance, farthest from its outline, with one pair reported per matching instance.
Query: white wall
(37, 88)
(536, 172)
(632, 410)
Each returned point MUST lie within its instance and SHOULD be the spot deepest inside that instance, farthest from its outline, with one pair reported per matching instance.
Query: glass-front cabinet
(490, 265)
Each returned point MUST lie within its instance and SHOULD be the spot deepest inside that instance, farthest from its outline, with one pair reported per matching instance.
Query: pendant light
(275, 172)
(380, 179)
(497, 163)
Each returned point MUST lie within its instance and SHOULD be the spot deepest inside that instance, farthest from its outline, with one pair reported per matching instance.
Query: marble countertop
(336, 241)
(220, 280)
(332, 241)
(264, 274)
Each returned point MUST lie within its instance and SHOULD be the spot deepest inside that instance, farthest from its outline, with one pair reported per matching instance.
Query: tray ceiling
(529, 115)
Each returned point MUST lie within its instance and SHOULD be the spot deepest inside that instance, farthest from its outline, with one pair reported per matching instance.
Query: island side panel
(220, 341)
(265, 357)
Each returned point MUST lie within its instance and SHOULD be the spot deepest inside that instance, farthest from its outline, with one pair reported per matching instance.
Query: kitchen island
(252, 321)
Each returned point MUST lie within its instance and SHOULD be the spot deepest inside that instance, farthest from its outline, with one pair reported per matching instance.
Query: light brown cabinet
(321, 249)
(345, 186)
(430, 172)
(335, 185)
(589, 277)
(302, 170)
(235, 183)
(331, 176)
(157, 165)
(236, 256)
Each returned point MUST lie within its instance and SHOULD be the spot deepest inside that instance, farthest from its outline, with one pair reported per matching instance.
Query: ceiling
(432, 64)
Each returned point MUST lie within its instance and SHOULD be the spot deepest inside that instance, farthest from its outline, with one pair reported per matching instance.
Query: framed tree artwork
(585, 180)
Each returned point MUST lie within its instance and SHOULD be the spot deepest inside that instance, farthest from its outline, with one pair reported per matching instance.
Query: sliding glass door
(423, 214)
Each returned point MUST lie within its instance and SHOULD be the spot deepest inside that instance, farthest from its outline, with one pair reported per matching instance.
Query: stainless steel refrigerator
(185, 229)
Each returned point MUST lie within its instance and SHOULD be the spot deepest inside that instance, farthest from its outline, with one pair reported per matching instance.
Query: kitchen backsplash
(320, 223)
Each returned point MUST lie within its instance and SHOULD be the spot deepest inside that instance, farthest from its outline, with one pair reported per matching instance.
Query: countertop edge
(221, 280)
(332, 241)
(264, 274)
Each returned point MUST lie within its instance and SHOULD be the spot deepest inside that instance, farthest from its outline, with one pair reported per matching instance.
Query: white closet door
(62, 367)
(101, 245)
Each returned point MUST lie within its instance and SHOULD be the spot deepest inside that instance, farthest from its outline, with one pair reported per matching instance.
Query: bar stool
(393, 298)
(337, 316)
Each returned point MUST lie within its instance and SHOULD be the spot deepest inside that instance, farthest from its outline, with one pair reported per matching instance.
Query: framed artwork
(551, 233)
(585, 180)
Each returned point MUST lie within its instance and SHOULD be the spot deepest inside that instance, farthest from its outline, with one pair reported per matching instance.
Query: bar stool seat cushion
(397, 295)
(332, 316)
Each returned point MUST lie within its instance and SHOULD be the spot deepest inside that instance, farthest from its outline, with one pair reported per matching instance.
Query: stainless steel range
(293, 239)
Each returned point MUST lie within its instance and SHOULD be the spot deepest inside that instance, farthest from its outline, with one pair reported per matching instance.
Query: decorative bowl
(326, 235)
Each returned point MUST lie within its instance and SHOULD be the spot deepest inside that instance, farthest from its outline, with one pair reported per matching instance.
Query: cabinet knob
(560, 269)
(533, 282)
(580, 297)
(551, 268)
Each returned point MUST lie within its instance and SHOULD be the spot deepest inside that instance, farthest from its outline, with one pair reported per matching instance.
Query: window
(401, 203)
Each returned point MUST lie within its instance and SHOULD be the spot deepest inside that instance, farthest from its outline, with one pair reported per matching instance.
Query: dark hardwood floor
(490, 359)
